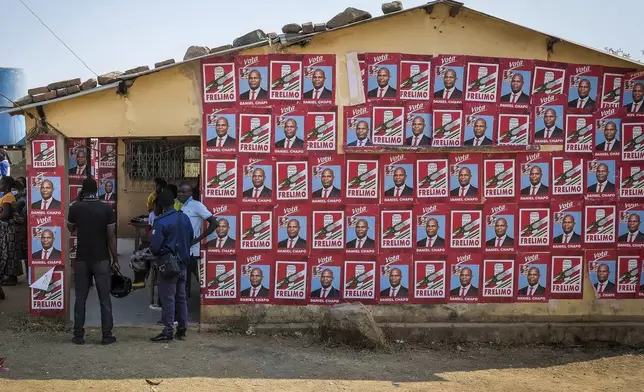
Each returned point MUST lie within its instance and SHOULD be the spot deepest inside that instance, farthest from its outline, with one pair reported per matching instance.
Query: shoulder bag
(169, 265)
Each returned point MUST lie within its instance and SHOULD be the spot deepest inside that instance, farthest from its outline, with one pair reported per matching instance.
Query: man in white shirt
(221, 139)
(450, 91)
(584, 101)
(637, 106)
(362, 135)
(384, 90)
(318, 91)
(466, 289)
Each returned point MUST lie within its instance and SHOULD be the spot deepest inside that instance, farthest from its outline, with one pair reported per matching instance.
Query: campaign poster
(465, 178)
(255, 130)
(430, 274)
(291, 280)
(533, 270)
(360, 282)
(466, 230)
(285, 77)
(255, 277)
(602, 271)
(74, 191)
(566, 276)
(293, 229)
(223, 241)
(418, 127)
(567, 175)
(611, 90)
(601, 177)
(398, 177)
(608, 125)
(516, 79)
(357, 128)
(499, 177)
(498, 279)
(253, 79)
(567, 224)
(482, 80)
(292, 180)
(580, 132)
(633, 141)
(396, 229)
(327, 180)
(583, 87)
(328, 229)
(289, 129)
(107, 154)
(382, 76)
(513, 128)
(431, 179)
(221, 129)
(326, 279)
(362, 228)
(221, 281)
(534, 228)
(394, 274)
(256, 230)
(257, 178)
(633, 93)
(548, 119)
(321, 128)
(432, 227)
(362, 180)
(43, 153)
(464, 277)
(46, 239)
(362, 64)
(415, 72)
(45, 194)
(79, 160)
(221, 178)
(107, 187)
(629, 232)
(219, 82)
(449, 74)
(319, 79)
(535, 176)
(448, 127)
(53, 297)
(549, 78)
(500, 227)
(599, 225)
(388, 125)
(631, 178)
(480, 122)
(628, 274)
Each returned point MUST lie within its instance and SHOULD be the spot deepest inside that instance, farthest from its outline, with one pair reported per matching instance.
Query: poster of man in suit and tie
(257, 179)
(480, 122)
(358, 127)
(633, 93)
(535, 176)
(464, 277)
(548, 119)
(79, 160)
(500, 227)
(326, 179)
(46, 243)
(289, 130)
(252, 79)
(533, 269)
(608, 125)
(398, 174)
(602, 270)
(464, 181)
(255, 278)
(224, 239)
(362, 226)
(431, 227)
(629, 232)
(292, 229)
(326, 278)
(600, 178)
(221, 128)
(516, 79)
(382, 76)
(567, 224)
(46, 194)
(107, 189)
(394, 278)
(418, 127)
(319, 78)
(449, 76)
(583, 87)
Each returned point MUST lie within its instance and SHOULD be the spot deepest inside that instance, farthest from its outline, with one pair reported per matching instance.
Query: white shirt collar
(223, 239)
(467, 188)
(384, 89)
(260, 189)
(362, 142)
(501, 238)
(466, 289)
(430, 239)
(222, 137)
(536, 187)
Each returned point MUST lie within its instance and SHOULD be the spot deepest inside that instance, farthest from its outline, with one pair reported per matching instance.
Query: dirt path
(49, 362)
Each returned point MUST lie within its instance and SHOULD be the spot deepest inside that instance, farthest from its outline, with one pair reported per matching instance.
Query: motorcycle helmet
(121, 285)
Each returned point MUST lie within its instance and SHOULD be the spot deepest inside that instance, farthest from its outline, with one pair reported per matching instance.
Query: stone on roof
(393, 6)
(26, 100)
(45, 97)
(196, 51)
(348, 16)
(250, 38)
(319, 27)
(109, 77)
(73, 89)
(307, 28)
(88, 84)
(163, 63)
(137, 70)
(38, 90)
(63, 84)
(291, 28)
(221, 48)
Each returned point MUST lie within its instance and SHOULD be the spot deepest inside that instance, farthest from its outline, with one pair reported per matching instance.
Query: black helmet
(121, 285)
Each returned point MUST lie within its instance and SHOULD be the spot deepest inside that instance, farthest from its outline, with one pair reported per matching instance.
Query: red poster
(256, 230)
(500, 227)
(255, 130)
(449, 74)
(612, 79)
(320, 129)
(363, 71)
(43, 153)
(223, 241)
(516, 80)
(382, 75)
(567, 175)
(498, 279)
(388, 125)
(357, 128)
(107, 187)
(535, 176)
(513, 127)
(326, 279)
(534, 228)
(285, 77)
(464, 277)
(431, 179)
(608, 125)
(220, 280)
(293, 228)
(257, 178)
(78, 161)
(599, 225)
(415, 81)
(567, 224)
(567, 276)
(394, 273)
(221, 178)
(291, 280)
(480, 122)
(253, 79)
(362, 180)
(583, 87)
(291, 180)
(73, 246)
(52, 299)
(327, 180)
(533, 271)
(46, 238)
(631, 179)
(289, 129)
(629, 232)
(398, 177)
(396, 229)
(45, 193)
(602, 270)
(633, 94)
(580, 133)
(319, 78)
(328, 230)
(548, 119)
(549, 78)
(432, 227)
(447, 123)
(429, 279)
(220, 130)
(499, 178)
(601, 178)
(255, 277)
(482, 80)
(219, 82)
(107, 154)
(74, 191)
(628, 274)
(465, 177)
(418, 127)
(466, 228)
(633, 140)
(362, 228)
(360, 282)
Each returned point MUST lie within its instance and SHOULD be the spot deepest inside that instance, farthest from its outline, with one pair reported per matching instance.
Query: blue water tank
(13, 85)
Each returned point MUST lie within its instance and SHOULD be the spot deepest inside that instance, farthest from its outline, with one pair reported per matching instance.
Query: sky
(123, 34)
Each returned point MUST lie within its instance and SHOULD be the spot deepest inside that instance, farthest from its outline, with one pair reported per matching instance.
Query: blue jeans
(172, 293)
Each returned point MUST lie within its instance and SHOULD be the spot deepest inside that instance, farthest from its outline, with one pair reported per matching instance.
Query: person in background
(196, 193)
(159, 185)
(7, 232)
(5, 164)
(174, 190)
(17, 226)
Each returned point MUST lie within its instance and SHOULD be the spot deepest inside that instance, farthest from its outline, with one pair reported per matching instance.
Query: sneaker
(108, 340)
(180, 334)
(78, 340)
(161, 338)
(155, 307)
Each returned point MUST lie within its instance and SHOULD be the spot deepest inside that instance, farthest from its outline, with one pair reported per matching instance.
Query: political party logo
(600, 224)
(429, 279)
(499, 178)
(328, 229)
(566, 274)
(633, 141)
(482, 81)
(50, 298)
(286, 80)
(43, 154)
(292, 180)
(256, 229)
(548, 80)
(362, 179)
(202, 269)
(466, 229)
(628, 274)
(632, 181)
(221, 177)
(107, 155)
(513, 129)
(534, 227)
(448, 128)
(579, 133)
(611, 90)
(431, 178)
(396, 229)
(414, 80)
(219, 83)
(567, 175)
(320, 131)
(221, 279)
(388, 125)
(290, 280)
(359, 282)
(498, 278)
(255, 133)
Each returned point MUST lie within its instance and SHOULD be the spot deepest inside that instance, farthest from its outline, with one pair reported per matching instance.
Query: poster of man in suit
(500, 227)
(326, 178)
(46, 243)
(516, 79)
(567, 224)
(362, 222)
(548, 120)
(398, 174)
(292, 229)
(418, 127)
(600, 178)
(449, 76)
(602, 270)
(319, 78)
(325, 283)
(633, 93)
(464, 181)
(480, 122)
(464, 277)
(46, 194)
(252, 79)
(224, 239)
(257, 177)
(394, 278)
(221, 128)
(382, 76)
(608, 125)
(255, 282)
(431, 228)
(535, 176)
(289, 131)
(629, 233)
(79, 160)
(533, 269)
(583, 87)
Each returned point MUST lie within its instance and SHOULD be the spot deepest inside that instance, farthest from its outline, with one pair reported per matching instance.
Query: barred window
(172, 160)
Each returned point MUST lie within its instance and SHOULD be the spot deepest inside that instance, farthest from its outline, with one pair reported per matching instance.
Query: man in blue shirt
(172, 233)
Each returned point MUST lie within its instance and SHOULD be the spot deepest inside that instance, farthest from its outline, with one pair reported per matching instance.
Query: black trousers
(102, 274)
